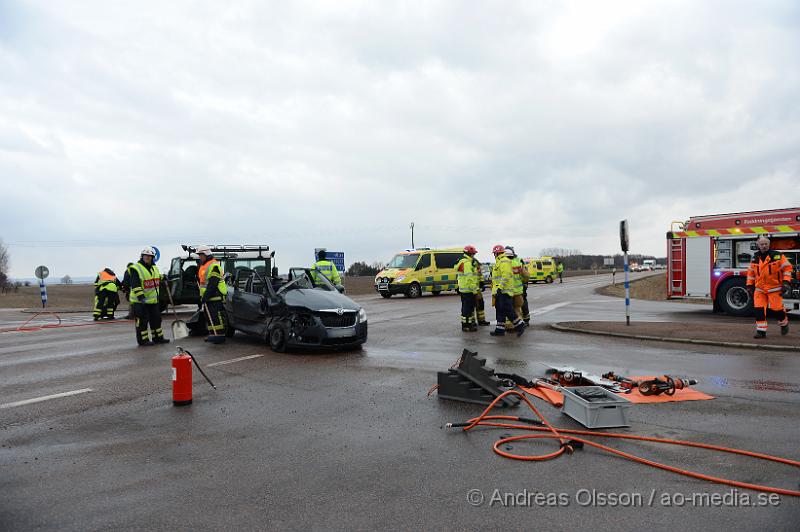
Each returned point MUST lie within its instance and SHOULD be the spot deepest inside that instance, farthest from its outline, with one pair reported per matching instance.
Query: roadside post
(41, 273)
(624, 242)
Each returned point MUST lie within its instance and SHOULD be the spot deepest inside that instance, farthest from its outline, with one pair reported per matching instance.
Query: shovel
(179, 327)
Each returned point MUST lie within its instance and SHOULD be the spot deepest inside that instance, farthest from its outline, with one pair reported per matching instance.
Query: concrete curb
(766, 347)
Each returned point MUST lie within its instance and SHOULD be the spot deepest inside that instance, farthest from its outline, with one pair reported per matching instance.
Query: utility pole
(412, 235)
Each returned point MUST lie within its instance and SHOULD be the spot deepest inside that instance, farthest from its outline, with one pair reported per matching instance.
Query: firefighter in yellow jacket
(106, 297)
(502, 293)
(480, 307)
(468, 287)
(145, 286)
(769, 275)
(521, 278)
(213, 291)
(325, 267)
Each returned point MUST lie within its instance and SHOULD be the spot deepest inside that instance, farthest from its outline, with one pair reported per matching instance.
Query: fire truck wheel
(733, 298)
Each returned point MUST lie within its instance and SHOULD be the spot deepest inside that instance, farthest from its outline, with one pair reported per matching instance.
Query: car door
(425, 272)
(249, 301)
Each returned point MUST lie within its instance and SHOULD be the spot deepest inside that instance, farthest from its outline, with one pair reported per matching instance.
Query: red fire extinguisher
(182, 377)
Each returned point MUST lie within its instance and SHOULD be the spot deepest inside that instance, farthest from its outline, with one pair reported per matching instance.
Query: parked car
(295, 312)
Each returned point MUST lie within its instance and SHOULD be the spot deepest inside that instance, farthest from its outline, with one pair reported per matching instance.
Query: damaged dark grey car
(297, 312)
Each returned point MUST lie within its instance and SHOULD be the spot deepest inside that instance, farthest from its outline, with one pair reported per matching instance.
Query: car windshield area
(404, 260)
(302, 278)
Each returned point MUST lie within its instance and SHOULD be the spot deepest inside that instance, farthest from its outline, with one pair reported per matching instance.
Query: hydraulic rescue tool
(667, 386)
(625, 382)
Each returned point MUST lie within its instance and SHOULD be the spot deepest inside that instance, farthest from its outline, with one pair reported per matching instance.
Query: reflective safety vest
(149, 282)
(206, 271)
(326, 268)
(503, 276)
(106, 281)
(519, 279)
(467, 275)
(560, 268)
(769, 273)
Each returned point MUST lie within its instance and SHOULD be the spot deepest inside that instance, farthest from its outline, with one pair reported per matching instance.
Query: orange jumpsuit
(768, 271)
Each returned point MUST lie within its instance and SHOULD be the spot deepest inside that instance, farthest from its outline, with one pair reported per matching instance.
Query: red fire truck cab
(708, 256)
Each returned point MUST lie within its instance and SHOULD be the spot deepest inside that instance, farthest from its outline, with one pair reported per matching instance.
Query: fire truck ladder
(676, 262)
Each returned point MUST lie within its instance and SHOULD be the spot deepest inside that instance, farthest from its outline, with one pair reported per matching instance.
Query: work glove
(141, 299)
(787, 289)
(494, 300)
(751, 289)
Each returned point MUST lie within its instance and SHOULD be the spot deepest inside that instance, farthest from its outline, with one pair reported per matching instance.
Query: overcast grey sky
(335, 124)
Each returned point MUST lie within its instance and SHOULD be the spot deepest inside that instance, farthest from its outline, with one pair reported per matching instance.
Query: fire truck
(708, 256)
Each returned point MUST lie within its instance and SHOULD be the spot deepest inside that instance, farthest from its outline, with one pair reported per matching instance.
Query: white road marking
(231, 361)
(44, 398)
(548, 308)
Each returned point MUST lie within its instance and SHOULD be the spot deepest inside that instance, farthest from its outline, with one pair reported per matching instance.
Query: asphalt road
(350, 440)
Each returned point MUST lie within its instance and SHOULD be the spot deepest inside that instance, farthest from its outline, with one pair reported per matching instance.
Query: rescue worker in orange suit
(769, 275)
(480, 307)
(212, 294)
(502, 293)
(145, 297)
(468, 286)
(106, 298)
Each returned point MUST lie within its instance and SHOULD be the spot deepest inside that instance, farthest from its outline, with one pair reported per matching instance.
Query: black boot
(784, 330)
(498, 332)
(520, 328)
(760, 334)
(484, 323)
(160, 341)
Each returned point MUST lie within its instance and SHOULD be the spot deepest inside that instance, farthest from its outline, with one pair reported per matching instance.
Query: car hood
(318, 299)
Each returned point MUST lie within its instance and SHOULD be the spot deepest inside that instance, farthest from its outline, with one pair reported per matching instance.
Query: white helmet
(203, 250)
(149, 251)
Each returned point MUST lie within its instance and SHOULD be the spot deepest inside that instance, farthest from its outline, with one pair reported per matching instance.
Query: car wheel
(276, 337)
(733, 298)
(414, 290)
(386, 295)
(548, 279)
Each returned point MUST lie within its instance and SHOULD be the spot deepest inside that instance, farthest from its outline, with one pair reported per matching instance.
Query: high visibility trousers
(468, 302)
(480, 309)
(147, 316)
(104, 304)
(520, 308)
(526, 310)
(504, 305)
(769, 304)
(217, 312)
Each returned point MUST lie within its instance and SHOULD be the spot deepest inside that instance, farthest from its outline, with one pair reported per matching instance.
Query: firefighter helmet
(470, 250)
(204, 250)
(498, 249)
(510, 251)
(148, 251)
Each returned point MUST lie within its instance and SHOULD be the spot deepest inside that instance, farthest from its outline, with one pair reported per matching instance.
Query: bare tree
(66, 280)
(4, 258)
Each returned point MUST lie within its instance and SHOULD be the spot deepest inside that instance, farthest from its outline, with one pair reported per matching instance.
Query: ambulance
(541, 269)
(415, 271)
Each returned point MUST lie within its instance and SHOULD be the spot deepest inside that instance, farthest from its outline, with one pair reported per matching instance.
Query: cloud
(336, 124)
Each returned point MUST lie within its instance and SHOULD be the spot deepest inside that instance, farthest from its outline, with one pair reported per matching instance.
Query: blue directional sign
(158, 254)
(336, 257)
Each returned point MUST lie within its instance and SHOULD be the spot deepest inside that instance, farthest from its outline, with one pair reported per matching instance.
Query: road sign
(624, 238)
(42, 272)
(158, 254)
(608, 261)
(336, 257)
